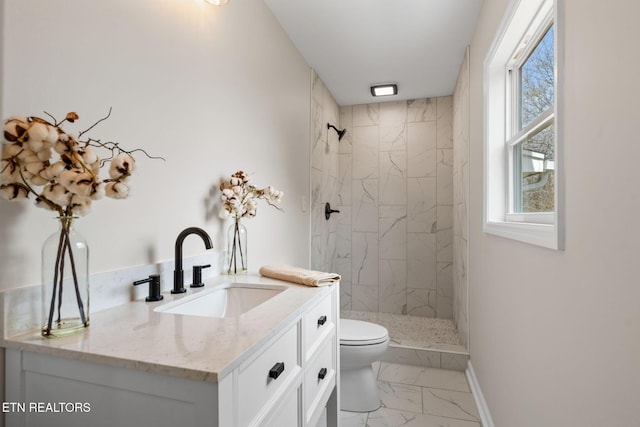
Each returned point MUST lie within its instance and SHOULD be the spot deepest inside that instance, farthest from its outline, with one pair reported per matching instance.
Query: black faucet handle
(197, 275)
(154, 287)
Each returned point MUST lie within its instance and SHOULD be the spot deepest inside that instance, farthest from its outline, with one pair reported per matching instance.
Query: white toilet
(361, 344)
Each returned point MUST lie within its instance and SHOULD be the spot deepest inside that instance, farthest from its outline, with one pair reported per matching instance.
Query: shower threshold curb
(418, 341)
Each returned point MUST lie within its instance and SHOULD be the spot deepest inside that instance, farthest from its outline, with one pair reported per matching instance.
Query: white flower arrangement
(62, 171)
(39, 158)
(240, 197)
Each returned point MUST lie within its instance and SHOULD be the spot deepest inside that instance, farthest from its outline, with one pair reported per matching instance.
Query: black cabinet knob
(322, 320)
(277, 369)
(322, 373)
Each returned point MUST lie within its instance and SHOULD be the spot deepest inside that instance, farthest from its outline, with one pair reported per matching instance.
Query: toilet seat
(358, 333)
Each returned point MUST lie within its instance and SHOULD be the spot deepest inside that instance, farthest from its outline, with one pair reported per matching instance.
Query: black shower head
(340, 132)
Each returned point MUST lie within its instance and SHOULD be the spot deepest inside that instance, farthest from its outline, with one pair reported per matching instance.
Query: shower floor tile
(413, 331)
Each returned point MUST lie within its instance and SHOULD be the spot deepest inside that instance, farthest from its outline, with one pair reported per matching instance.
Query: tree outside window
(533, 143)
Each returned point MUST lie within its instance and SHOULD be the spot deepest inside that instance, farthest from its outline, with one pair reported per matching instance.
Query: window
(522, 149)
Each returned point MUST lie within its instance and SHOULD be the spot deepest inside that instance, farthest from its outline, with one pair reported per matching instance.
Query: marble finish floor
(415, 396)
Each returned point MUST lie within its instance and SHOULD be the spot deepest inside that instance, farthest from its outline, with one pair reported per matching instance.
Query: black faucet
(178, 273)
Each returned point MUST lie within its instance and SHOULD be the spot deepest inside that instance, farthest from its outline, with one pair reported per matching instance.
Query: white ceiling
(352, 44)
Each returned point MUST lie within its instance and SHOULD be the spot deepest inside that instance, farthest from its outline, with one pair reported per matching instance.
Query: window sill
(545, 235)
(545, 218)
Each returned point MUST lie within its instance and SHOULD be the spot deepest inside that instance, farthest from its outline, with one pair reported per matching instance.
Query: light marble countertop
(133, 335)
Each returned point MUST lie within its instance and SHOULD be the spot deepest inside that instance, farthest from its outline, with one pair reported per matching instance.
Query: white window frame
(523, 17)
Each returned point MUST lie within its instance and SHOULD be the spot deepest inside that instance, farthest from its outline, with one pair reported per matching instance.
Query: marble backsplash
(21, 307)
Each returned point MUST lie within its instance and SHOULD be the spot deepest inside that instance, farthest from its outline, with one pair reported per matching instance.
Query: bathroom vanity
(152, 364)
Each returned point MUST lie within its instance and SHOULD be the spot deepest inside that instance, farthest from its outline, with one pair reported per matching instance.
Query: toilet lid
(357, 332)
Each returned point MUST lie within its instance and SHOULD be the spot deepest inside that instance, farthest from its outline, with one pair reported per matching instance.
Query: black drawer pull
(322, 320)
(277, 369)
(322, 373)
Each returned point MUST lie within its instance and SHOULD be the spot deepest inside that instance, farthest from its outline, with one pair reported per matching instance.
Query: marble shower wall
(460, 202)
(324, 175)
(395, 193)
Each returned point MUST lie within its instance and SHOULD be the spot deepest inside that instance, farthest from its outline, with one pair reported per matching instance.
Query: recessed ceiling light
(384, 90)
(217, 2)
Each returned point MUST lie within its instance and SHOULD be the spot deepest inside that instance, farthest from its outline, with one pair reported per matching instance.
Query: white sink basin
(227, 300)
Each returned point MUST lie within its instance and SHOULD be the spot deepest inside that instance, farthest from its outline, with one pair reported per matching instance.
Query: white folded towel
(299, 275)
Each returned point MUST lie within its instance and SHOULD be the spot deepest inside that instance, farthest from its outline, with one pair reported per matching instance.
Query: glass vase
(65, 281)
(237, 248)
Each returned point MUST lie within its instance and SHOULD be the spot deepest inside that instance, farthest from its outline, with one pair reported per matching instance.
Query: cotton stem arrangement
(240, 197)
(61, 172)
(239, 200)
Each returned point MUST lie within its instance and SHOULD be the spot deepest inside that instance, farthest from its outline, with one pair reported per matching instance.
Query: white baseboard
(483, 409)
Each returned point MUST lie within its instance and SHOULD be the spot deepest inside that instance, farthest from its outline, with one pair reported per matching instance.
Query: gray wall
(211, 89)
(555, 334)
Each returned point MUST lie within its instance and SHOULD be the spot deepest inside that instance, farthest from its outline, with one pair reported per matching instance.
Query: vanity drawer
(320, 377)
(317, 324)
(267, 376)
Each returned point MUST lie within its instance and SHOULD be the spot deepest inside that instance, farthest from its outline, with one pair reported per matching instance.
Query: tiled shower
(394, 242)
(392, 179)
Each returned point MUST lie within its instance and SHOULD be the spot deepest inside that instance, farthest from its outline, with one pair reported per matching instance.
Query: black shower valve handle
(154, 287)
(328, 211)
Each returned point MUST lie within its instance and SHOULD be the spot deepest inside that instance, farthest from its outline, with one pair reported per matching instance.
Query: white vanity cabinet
(288, 381)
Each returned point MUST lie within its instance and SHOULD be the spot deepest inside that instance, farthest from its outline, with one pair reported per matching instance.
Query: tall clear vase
(237, 248)
(65, 281)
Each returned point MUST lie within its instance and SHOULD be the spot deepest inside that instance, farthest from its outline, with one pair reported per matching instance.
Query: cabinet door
(289, 414)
